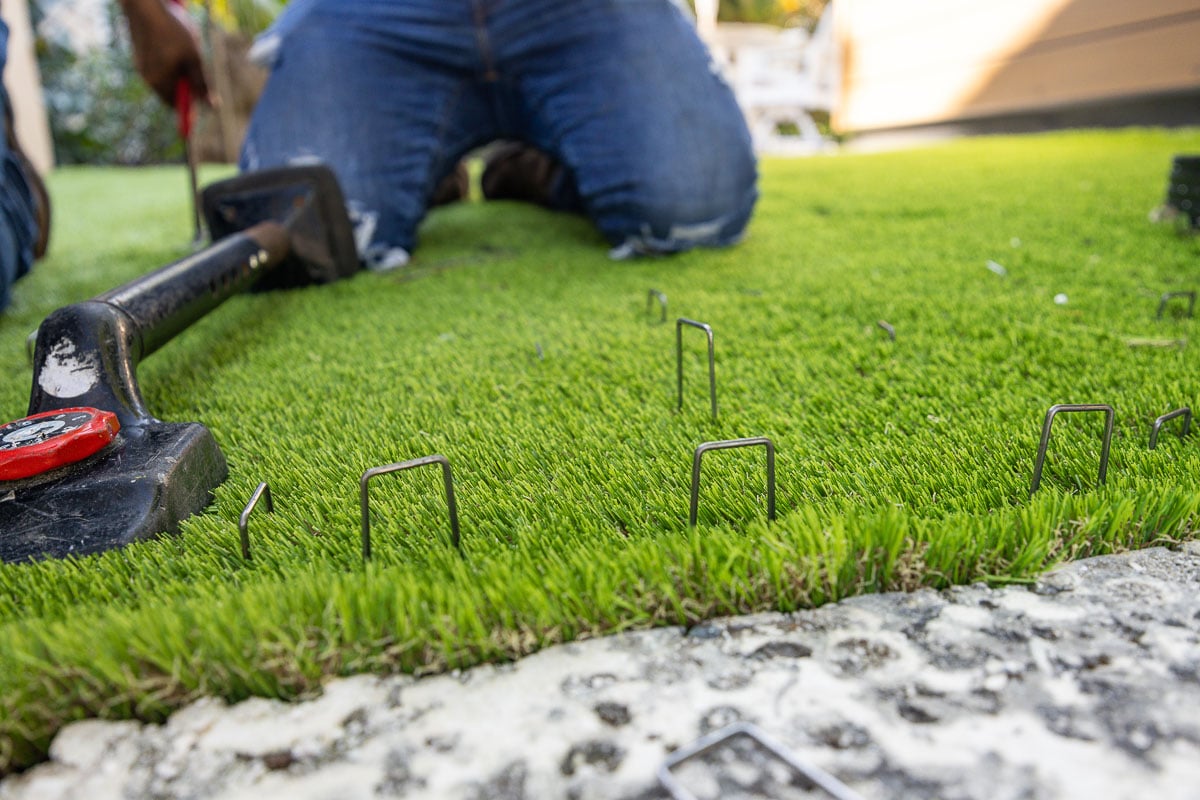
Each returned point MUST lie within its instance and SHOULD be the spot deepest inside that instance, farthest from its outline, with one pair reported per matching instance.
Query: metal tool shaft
(87, 353)
(189, 153)
(164, 302)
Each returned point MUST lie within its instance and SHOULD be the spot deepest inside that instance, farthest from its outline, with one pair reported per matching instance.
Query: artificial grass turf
(514, 347)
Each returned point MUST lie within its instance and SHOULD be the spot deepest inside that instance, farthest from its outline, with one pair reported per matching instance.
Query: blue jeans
(18, 223)
(393, 93)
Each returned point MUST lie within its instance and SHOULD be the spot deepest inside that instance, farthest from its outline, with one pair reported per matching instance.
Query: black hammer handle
(87, 353)
(163, 303)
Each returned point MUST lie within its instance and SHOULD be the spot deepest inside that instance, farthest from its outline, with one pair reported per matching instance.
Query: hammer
(89, 468)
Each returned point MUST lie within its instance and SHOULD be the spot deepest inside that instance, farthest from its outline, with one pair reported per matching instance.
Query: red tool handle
(183, 100)
(183, 108)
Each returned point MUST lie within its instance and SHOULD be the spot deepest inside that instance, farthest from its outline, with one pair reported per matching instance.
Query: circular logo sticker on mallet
(52, 439)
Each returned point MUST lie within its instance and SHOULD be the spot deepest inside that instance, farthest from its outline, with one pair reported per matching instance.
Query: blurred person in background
(24, 202)
(610, 108)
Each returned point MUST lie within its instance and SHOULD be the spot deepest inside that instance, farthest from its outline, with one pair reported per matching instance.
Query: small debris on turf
(1060, 299)
(997, 268)
(1136, 342)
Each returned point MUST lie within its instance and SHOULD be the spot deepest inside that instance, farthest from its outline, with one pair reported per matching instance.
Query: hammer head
(307, 201)
(152, 474)
(144, 484)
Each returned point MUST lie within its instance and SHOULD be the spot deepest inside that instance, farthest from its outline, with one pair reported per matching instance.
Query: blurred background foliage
(101, 112)
(247, 17)
(787, 13)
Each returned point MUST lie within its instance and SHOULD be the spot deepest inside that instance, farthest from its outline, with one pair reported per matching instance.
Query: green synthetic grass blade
(514, 347)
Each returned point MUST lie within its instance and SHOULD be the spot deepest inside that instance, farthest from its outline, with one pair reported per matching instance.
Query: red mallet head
(53, 439)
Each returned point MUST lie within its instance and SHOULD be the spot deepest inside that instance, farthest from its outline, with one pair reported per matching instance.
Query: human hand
(166, 48)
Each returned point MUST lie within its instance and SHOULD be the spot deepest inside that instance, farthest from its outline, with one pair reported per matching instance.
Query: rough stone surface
(1085, 685)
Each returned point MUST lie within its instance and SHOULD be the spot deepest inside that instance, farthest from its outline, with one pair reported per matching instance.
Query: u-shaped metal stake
(1184, 412)
(727, 445)
(712, 364)
(817, 777)
(1046, 426)
(1168, 296)
(389, 468)
(263, 491)
(653, 295)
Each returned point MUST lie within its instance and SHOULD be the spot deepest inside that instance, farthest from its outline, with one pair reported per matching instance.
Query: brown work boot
(37, 188)
(452, 188)
(518, 171)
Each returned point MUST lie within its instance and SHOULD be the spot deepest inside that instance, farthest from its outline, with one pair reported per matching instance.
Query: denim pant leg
(18, 223)
(388, 95)
(391, 94)
(626, 95)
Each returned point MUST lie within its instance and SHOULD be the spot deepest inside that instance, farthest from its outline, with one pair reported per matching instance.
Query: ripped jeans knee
(664, 233)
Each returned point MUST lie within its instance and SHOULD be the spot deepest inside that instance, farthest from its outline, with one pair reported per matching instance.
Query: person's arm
(165, 48)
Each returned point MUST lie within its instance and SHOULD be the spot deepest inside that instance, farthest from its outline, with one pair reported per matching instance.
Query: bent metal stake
(89, 468)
